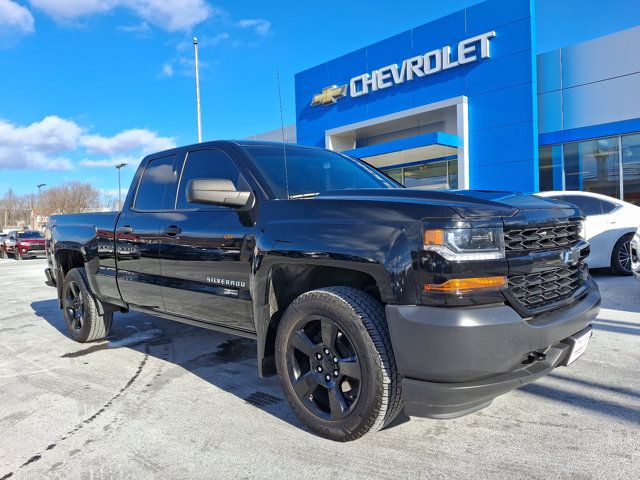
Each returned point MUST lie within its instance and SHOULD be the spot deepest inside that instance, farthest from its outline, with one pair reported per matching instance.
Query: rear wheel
(335, 363)
(3, 254)
(621, 256)
(84, 322)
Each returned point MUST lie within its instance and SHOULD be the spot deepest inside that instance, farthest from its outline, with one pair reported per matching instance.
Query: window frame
(203, 207)
(143, 170)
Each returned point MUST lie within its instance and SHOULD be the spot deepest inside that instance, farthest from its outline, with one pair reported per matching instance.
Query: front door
(137, 238)
(206, 251)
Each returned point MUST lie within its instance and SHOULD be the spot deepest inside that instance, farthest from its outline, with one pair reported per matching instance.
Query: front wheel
(17, 255)
(84, 322)
(621, 256)
(336, 365)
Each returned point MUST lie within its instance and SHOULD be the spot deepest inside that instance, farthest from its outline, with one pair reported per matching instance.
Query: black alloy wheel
(73, 304)
(323, 368)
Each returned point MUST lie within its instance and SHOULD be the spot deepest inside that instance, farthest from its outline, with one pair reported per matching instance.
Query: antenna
(284, 136)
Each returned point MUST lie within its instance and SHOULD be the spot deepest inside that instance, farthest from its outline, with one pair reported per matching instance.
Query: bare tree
(70, 197)
(109, 202)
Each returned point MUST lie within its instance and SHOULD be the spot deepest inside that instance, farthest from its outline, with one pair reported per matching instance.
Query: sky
(86, 84)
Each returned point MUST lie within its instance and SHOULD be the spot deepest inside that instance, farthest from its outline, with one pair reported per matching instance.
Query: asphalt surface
(165, 400)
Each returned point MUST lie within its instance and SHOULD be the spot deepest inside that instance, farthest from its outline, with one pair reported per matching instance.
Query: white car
(610, 226)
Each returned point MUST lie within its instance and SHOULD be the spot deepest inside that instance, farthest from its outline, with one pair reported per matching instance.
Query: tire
(357, 390)
(81, 315)
(17, 255)
(621, 256)
(3, 254)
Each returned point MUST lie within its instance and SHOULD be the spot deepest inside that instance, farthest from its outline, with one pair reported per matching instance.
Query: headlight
(461, 244)
(583, 230)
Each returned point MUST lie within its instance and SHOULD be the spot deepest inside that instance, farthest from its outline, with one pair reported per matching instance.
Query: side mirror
(217, 191)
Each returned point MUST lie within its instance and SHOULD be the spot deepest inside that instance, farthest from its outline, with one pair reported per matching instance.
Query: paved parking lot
(165, 400)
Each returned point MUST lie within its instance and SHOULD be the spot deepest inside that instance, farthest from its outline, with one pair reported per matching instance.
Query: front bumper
(456, 360)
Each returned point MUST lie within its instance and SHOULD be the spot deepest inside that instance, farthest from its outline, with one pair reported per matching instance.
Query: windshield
(311, 171)
(30, 234)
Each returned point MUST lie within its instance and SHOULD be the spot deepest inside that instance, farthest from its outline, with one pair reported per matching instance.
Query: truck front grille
(537, 292)
(541, 238)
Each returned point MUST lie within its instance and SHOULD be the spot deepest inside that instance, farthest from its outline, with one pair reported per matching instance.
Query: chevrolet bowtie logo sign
(467, 51)
(329, 95)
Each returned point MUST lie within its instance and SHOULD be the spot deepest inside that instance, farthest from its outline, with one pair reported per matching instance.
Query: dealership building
(466, 102)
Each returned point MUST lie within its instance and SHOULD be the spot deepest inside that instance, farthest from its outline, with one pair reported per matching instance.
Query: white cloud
(218, 39)
(131, 161)
(15, 19)
(49, 144)
(142, 29)
(167, 71)
(137, 139)
(170, 15)
(66, 10)
(261, 26)
(38, 145)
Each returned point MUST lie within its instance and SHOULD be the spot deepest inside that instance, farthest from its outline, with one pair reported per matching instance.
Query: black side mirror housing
(218, 191)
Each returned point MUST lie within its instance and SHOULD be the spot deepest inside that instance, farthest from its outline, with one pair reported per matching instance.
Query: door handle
(125, 230)
(173, 230)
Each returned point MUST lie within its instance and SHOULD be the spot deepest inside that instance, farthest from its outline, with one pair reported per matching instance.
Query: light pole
(118, 167)
(195, 52)
(40, 185)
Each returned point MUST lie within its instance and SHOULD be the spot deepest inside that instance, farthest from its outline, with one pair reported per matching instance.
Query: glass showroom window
(432, 176)
(631, 167)
(396, 174)
(593, 166)
(550, 167)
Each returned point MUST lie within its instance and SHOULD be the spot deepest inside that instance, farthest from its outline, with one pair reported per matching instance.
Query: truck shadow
(225, 361)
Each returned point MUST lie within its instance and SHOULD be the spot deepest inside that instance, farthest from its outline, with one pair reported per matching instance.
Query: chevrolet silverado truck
(364, 297)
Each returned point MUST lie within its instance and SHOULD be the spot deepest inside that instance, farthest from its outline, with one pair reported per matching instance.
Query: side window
(207, 164)
(588, 205)
(156, 176)
(608, 207)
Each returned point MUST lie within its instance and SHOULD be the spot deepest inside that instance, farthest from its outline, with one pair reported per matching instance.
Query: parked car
(22, 244)
(364, 297)
(635, 254)
(610, 226)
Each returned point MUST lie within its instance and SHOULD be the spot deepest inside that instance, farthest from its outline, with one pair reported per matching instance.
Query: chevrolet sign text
(468, 51)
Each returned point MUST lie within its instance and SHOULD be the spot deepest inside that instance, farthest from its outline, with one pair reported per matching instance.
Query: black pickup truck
(364, 297)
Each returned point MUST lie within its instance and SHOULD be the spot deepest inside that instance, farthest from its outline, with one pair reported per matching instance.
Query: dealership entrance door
(424, 147)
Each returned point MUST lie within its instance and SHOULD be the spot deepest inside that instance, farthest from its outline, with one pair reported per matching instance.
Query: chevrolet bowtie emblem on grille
(329, 95)
(571, 257)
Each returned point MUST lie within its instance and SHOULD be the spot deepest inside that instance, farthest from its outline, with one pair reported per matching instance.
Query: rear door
(137, 237)
(206, 250)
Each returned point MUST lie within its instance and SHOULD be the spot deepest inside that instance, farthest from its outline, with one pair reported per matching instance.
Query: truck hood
(465, 203)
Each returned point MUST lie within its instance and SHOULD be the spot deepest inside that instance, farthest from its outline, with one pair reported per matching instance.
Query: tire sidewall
(369, 402)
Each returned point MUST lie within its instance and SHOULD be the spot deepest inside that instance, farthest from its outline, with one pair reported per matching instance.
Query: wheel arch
(284, 282)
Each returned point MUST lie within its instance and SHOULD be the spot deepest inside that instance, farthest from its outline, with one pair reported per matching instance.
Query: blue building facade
(466, 102)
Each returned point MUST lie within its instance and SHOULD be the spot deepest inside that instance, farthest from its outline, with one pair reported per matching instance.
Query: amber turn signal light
(462, 285)
(433, 237)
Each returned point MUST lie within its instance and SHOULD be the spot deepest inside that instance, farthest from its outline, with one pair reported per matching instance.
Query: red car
(22, 243)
